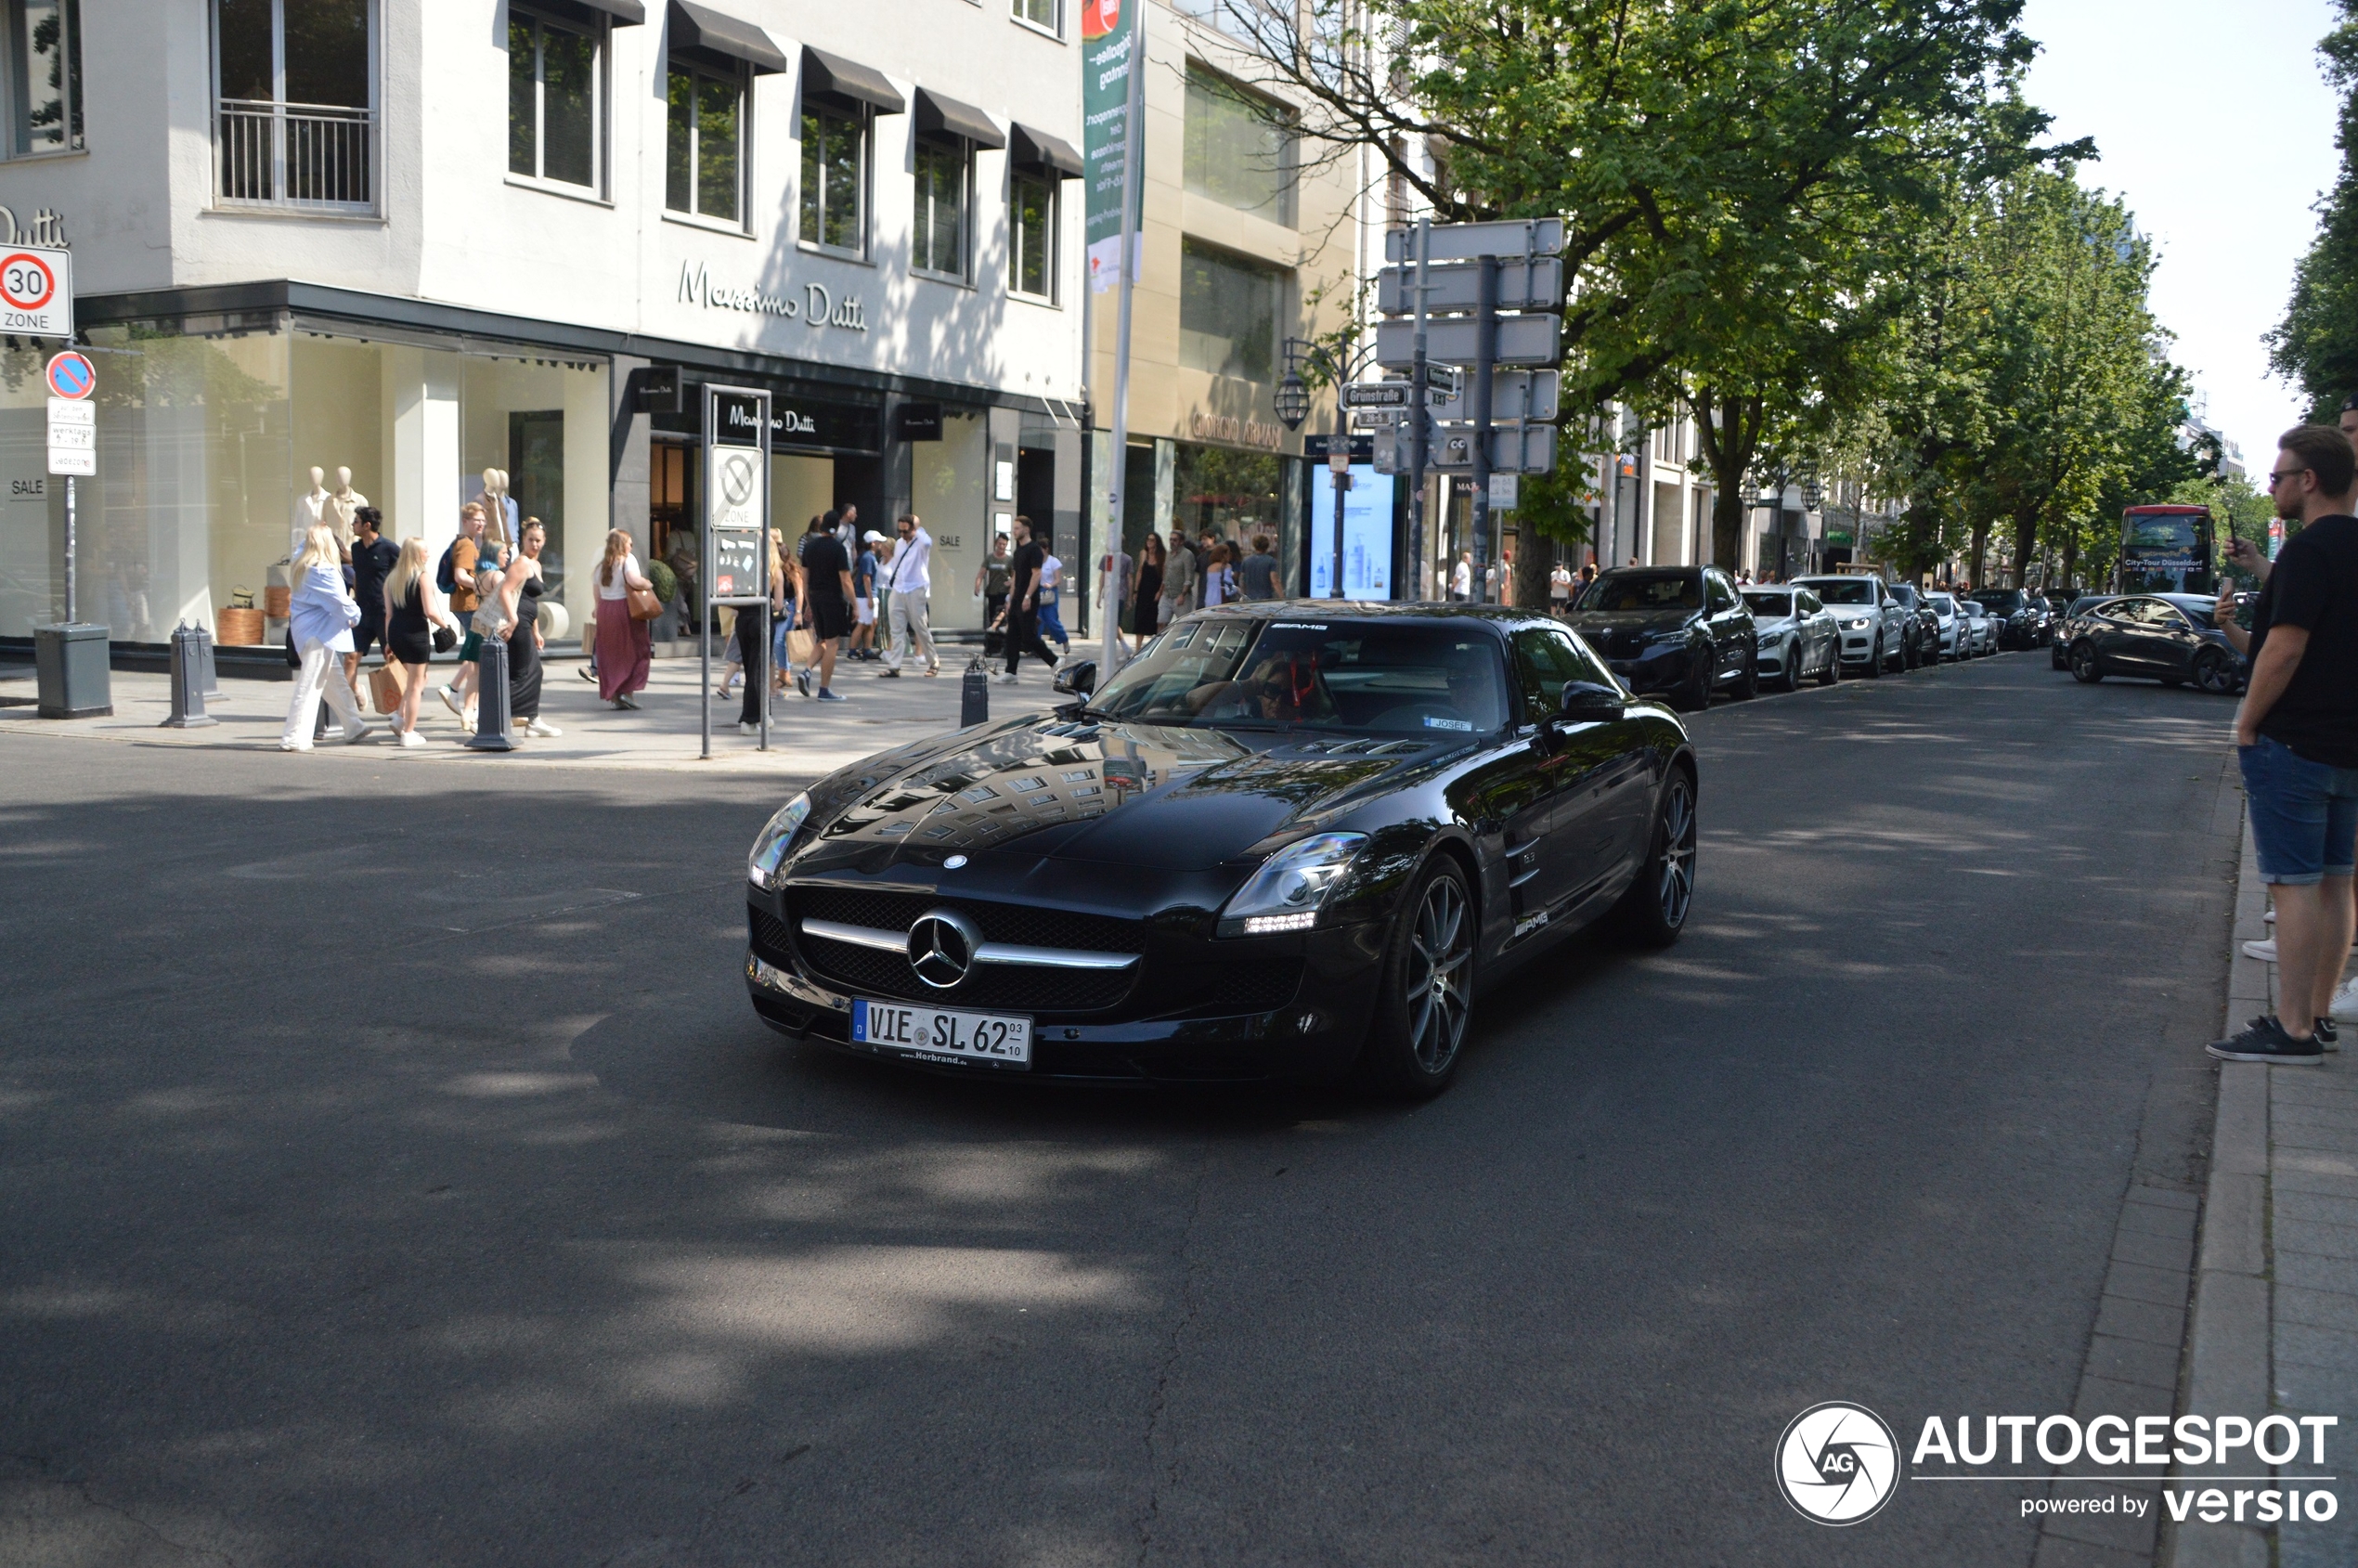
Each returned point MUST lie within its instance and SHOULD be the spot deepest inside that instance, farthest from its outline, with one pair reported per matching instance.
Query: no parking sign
(36, 291)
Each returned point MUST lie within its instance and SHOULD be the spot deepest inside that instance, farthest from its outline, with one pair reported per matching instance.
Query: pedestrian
(462, 562)
(413, 606)
(320, 616)
(1259, 573)
(624, 643)
(524, 588)
(908, 586)
(1461, 578)
(1219, 578)
(1117, 582)
(864, 570)
(1560, 589)
(1182, 573)
(373, 557)
(1205, 543)
(757, 641)
(826, 604)
(1051, 626)
(990, 581)
(1022, 613)
(2297, 742)
(1145, 599)
(782, 665)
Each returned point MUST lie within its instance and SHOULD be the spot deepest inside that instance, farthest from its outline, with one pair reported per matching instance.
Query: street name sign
(1515, 395)
(1533, 339)
(36, 291)
(1464, 241)
(1533, 284)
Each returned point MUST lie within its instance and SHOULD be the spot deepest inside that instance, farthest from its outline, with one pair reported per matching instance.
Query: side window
(1545, 659)
(1810, 604)
(1717, 595)
(1586, 665)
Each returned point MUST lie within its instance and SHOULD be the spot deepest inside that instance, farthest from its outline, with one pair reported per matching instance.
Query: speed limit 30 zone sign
(36, 291)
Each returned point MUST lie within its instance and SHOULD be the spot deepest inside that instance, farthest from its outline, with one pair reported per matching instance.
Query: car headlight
(1284, 895)
(1861, 624)
(775, 839)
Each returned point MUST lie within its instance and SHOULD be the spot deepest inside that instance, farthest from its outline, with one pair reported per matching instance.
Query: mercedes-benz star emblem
(953, 863)
(942, 947)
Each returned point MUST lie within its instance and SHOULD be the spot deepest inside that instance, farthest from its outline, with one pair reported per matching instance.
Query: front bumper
(1664, 668)
(1179, 1022)
(1858, 647)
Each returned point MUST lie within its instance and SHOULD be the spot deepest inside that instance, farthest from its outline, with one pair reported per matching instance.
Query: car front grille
(1018, 924)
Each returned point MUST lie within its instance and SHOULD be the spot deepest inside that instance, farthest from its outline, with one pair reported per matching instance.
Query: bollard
(209, 687)
(491, 699)
(973, 695)
(188, 681)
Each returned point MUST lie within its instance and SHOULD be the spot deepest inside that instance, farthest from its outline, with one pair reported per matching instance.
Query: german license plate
(933, 1034)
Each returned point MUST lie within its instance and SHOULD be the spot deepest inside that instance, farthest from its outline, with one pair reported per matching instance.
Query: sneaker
(827, 697)
(2271, 917)
(450, 701)
(802, 682)
(294, 745)
(2328, 1038)
(411, 738)
(745, 729)
(1004, 680)
(2265, 1040)
(2264, 950)
(887, 675)
(624, 701)
(356, 733)
(587, 673)
(2345, 1002)
(542, 730)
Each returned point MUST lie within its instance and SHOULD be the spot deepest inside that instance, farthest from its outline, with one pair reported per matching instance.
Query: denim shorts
(2304, 814)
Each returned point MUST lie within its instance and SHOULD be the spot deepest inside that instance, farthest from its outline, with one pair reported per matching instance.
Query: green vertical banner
(1108, 33)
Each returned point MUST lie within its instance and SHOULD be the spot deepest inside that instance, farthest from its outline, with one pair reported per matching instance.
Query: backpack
(442, 577)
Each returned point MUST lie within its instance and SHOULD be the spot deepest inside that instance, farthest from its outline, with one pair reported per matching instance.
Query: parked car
(2074, 616)
(1923, 628)
(1288, 841)
(1798, 636)
(2165, 637)
(2024, 620)
(1873, 624)
(1681, 631)
(1981, 628)
(1950, 622)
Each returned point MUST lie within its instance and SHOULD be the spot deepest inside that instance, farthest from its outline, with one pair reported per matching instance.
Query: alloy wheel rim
(1677, 888)
(1440, 959)
(2212, 675)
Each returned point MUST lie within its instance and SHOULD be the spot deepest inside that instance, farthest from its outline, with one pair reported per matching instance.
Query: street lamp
(1293, 399)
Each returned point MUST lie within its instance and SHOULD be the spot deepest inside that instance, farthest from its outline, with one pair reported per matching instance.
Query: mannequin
(310, 509)
(499, 511)
(343, 501)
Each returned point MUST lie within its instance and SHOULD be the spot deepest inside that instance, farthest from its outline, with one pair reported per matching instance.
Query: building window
(937, 234)
(554, 107)
(1240, 148)
(295, 93)
(1032, 235)
(1041, 14)
(834, 179)
(703, 169)
(43, 86)
(1228, 312)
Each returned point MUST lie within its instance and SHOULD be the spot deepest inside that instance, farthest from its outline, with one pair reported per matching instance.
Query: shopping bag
(802, 647)
(386, 687)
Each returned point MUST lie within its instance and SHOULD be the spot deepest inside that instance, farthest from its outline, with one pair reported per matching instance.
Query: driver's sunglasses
(2287, 474)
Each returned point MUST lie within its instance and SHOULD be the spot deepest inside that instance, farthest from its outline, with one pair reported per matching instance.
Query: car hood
(1628, 620)
(1143, 794)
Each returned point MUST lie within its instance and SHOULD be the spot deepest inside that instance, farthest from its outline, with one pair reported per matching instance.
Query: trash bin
(70, 664)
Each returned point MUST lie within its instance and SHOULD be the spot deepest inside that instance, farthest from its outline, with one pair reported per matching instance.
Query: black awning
(623, 13)
(833, 76)
(939, 116)
(1028, 149)
(701, 27)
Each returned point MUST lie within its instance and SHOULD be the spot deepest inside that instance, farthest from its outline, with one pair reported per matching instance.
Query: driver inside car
(1282, 688)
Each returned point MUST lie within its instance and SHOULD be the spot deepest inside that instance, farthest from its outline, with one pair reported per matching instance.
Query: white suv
(1873, 624)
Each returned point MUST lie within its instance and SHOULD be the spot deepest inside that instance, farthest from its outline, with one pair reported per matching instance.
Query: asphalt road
(395, 1177)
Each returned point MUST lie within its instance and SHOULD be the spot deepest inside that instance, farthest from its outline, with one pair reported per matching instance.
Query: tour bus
(2164, 550)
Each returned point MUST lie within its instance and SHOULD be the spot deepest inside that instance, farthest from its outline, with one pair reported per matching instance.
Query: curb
(2227, 1363)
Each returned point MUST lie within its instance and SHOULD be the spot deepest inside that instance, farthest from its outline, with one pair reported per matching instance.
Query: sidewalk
(2275, 1322)
(806, 738)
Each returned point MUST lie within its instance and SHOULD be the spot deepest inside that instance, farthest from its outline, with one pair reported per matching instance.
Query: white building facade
(418, 241)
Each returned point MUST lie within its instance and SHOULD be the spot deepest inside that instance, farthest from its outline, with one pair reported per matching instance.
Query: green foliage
(666, 583)
(2316, 344)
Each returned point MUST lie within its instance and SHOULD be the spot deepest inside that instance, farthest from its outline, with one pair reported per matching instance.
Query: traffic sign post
(72, 659)
(36, 291)
(737, 530)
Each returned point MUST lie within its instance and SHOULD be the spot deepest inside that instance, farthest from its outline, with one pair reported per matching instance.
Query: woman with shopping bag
(623, 646)
(320, 616)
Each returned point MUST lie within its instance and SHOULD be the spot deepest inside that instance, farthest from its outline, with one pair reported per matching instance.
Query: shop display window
(950, 482)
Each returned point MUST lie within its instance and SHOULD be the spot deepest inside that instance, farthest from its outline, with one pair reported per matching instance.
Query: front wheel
(1694, 694)
(1654, 910)
(1748, 683)
(1874, 661)
(2083, 665)
(2215, 672)
(1792, 664)
(1427, 988)
(1833, 672)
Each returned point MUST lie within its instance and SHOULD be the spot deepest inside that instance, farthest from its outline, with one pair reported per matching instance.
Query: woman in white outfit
(320, 616)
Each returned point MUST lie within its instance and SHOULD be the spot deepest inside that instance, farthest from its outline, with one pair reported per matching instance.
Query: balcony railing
(295, 154)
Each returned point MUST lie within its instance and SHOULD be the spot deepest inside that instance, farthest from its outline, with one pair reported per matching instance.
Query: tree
(2316, 344)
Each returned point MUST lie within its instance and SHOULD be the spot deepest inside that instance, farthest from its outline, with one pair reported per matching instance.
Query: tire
(2084, 668)
(1874, 660)
(1833, 672)
(1418, 1031)
(1748, 683)
(2214, 672)
(1655, 908)
(1694, 694)
(1792, 667)
(1909, 657)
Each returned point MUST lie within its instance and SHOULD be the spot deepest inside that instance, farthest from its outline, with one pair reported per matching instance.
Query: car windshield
(1973, 607)
(1411, 677)
(1771, 605)
(1945, 605)
(1846, 590)
(1644, 590)
(2003, 602)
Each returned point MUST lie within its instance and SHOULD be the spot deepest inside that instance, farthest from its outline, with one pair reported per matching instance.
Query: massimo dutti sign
(813, 303)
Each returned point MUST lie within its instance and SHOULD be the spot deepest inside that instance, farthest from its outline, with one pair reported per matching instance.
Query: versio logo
(1837, 1463)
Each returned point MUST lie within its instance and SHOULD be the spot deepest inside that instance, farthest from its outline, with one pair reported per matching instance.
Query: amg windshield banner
(1107, 28)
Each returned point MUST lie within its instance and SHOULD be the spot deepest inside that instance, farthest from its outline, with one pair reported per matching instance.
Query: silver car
(1982, 634)
(1873, 624)
(1798, 636)
(1954, 629)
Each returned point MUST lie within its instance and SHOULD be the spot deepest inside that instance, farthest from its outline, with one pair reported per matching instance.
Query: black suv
(1679, 630)
(1923, 644)
(2025, 620)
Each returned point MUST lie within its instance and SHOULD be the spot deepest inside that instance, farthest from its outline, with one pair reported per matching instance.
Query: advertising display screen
(1367, 535)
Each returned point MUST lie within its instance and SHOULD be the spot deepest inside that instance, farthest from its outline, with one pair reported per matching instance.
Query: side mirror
(1584, 702)
(1079, 679)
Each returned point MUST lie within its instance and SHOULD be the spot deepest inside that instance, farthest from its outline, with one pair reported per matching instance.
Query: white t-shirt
(1050, 569)
(1462, 577)
(625, 569)
(1560, 583)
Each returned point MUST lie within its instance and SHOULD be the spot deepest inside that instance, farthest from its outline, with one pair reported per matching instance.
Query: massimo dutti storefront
(216, 404)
